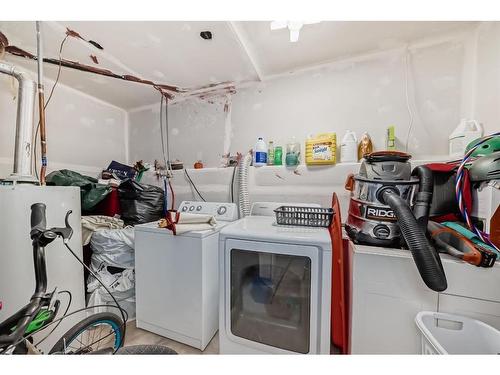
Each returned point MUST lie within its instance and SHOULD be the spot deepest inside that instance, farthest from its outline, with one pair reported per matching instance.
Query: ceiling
(173, 53)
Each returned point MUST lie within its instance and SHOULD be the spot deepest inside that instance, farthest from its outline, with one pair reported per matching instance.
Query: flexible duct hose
(243, 195)
(424, 254)
(423, 199)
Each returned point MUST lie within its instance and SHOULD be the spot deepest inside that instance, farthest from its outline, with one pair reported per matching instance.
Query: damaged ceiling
(173, 53)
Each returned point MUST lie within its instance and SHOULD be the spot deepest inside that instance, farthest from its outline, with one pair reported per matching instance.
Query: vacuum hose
(424, 254)
(423, 199)
(243, 195)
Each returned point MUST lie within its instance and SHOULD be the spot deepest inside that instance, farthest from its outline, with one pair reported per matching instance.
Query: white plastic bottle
(349, 148)
(464, 133)
(260, 153)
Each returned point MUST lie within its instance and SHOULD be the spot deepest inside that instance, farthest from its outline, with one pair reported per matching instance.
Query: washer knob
(221, 210)
(198, 208)
(184, 209)
(191, 208)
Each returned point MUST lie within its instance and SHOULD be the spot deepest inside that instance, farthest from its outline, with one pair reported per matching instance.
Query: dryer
(275, 286)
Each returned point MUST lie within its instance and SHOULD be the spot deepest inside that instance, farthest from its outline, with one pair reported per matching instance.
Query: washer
(177, 277)
(275, 288)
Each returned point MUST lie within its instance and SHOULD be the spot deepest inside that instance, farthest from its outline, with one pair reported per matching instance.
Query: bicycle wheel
(95, 333)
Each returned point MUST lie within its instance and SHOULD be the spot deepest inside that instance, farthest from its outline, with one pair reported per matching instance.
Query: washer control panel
(220, 210)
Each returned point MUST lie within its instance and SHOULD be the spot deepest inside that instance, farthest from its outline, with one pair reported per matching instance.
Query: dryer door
(272, 298)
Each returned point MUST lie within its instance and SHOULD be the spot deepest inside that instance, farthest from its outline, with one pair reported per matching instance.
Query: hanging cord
(48, 101)
(459, 193)
(194, 186)
(408, 107)
(172, 204)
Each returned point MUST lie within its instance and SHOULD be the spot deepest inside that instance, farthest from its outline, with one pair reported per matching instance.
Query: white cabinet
(387, 293)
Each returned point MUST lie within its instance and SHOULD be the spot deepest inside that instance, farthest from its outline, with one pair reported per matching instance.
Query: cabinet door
(485, 311)
(387, 294)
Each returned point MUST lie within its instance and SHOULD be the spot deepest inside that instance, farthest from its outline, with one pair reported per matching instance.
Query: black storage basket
(304, 216)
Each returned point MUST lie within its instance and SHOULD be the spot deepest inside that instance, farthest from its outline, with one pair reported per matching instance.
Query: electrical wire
(172, 204)
(70, 298)
(124, 325)
(161, 132)
(408, 107)
(459, 193)
(194, 186)
(48, 101)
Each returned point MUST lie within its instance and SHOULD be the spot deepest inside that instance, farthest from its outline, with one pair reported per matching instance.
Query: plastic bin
(453, 334)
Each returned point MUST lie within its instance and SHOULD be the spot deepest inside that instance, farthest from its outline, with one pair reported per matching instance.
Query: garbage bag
(91, 192)
(140, 203)
(113, 247)
(122, 287)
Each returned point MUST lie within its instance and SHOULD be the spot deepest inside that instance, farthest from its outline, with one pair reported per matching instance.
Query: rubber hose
(424, 254)
(243, 195)
(423, 199)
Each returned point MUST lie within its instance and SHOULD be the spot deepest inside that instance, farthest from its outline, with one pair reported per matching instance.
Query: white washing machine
(275, 286)
(177, 277)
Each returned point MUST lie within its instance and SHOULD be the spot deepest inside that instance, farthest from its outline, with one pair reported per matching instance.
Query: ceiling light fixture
(293, 26)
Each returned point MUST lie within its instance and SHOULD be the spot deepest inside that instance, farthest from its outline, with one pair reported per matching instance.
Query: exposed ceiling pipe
(41, 101)
(24, 124)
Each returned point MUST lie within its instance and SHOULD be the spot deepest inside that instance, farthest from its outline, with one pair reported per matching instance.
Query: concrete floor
(138, 336)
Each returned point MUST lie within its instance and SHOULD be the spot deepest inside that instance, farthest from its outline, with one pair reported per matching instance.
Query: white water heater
(17, 278)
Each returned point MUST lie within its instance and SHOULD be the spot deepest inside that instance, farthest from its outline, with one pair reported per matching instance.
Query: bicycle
(101, 333)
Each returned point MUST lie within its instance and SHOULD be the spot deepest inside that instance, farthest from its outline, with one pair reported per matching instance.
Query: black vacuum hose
(423, 199)
(424, 254)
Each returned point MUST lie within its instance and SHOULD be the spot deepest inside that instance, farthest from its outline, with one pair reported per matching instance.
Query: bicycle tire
(92, 321)
(145, 350)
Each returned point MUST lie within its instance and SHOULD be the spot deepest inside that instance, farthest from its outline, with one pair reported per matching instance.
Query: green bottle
(278, 155)
(270, 153)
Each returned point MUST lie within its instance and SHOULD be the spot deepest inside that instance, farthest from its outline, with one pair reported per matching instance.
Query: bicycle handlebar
(38, 220)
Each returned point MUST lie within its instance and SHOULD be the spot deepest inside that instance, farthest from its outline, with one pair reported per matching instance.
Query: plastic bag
(140, 203)
(91, 192)
(113, 247)
(122, 287)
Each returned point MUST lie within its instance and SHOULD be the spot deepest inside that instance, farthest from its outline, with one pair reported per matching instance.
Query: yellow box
(322, 149)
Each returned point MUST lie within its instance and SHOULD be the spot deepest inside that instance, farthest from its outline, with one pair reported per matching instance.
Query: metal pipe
(24, 122)
(41, 101)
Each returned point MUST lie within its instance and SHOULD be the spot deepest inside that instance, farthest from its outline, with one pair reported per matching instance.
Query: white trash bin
(453, 334)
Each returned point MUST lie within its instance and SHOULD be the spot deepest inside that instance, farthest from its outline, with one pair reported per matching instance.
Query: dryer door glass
(271, 299)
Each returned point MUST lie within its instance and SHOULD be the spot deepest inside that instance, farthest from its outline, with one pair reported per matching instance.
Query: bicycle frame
(17, 326)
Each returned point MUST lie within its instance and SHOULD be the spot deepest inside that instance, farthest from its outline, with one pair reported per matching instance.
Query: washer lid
(264, 228)
(153, 228)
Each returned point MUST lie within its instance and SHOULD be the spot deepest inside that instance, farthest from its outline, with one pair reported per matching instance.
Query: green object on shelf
(278, 155)
(391, 138)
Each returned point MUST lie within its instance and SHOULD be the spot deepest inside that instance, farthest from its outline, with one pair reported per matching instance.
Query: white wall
(83, 133)
(487, 89)
(366, 93)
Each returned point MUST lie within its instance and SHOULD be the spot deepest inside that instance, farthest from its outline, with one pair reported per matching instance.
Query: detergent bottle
(349, 148)
(321, 149)
(260, 153)
(464, 133)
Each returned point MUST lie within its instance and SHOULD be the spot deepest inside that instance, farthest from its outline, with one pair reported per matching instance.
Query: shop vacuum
(389, 207)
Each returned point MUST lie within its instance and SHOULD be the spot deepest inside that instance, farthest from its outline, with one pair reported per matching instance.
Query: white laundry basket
(453, 334)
